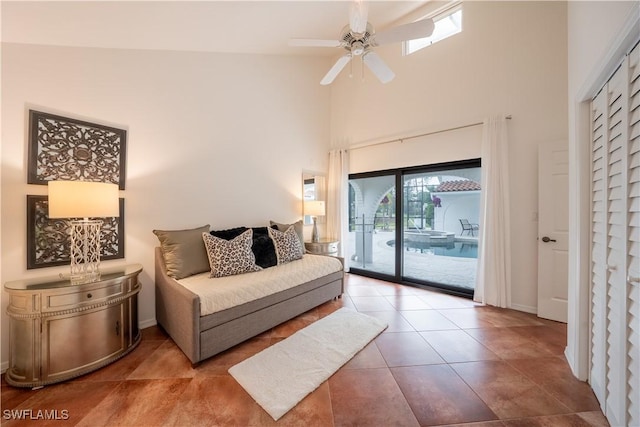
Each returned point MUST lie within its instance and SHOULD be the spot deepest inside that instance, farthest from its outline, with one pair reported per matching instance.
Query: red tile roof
(463, 185)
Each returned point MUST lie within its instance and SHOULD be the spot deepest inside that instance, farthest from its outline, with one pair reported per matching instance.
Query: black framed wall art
(62, 148)
(48, 240)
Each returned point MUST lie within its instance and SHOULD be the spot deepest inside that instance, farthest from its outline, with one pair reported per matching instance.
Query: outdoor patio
(448, 270)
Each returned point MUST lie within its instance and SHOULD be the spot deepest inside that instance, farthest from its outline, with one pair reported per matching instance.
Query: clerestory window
(447, 23)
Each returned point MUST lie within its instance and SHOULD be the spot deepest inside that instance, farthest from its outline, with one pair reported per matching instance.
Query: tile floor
(442, 361)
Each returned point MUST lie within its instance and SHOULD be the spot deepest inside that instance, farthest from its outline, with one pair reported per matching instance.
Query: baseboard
(525, 308)
(147, 323)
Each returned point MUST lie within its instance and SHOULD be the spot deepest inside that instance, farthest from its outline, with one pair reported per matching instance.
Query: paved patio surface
(446, 270)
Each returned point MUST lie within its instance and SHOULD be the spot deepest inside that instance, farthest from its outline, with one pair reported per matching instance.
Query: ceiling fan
(359, 38)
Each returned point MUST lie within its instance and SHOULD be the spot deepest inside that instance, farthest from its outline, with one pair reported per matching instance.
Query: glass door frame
(399, 175)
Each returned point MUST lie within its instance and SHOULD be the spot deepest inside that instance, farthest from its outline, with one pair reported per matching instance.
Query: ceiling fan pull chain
(351, 69)
(362, 67)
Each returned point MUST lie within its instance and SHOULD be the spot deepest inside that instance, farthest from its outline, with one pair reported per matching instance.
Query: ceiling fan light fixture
(357, 48)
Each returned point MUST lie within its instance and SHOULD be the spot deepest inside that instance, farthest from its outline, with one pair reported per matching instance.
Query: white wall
(511, 58)
(457, 205)
(599, 34)
(212, 138)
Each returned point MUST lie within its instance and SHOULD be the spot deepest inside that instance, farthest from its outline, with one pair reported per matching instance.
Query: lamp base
(85, 251)
(314, 234)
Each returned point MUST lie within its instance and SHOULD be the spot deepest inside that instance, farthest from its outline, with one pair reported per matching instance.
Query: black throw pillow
(228, 234)
(262, 247)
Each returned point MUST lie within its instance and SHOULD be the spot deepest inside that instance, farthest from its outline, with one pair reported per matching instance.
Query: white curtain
(338, 199)
(493, 284)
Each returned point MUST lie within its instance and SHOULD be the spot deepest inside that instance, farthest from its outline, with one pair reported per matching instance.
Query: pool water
(452, 249)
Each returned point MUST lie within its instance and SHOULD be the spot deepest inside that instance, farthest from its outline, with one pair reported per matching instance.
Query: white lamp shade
(314, 208)
(82, 199)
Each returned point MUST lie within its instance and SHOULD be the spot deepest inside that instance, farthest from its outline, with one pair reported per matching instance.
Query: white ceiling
(209, 26)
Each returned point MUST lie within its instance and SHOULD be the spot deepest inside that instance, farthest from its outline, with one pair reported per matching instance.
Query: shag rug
(282, 375)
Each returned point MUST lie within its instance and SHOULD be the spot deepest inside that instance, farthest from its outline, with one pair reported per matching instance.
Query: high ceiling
(208, 26)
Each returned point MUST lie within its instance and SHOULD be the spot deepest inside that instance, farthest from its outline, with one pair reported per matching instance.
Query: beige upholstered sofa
(185, 312)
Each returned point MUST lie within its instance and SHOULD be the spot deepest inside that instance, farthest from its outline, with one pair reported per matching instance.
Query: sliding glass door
(438, 246)
(418, 225)
(372, 223)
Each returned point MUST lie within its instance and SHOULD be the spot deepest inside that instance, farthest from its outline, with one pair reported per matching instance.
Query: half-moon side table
(60, 330)
(323, 247)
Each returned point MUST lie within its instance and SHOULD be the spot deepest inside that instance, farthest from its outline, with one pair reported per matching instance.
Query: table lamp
(314, 208)
(86, 200)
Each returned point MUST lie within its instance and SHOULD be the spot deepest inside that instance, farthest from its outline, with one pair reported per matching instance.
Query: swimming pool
(453, 249)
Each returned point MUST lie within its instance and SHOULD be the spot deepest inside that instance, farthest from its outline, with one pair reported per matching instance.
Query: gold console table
(60, 330)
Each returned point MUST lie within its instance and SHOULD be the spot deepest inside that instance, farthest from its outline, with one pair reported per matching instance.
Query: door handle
(547, 240)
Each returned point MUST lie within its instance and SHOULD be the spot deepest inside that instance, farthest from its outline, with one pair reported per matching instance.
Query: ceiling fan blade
(378, 67)
(335, 70)
(415, 30)
(314, 43)
(358, 13)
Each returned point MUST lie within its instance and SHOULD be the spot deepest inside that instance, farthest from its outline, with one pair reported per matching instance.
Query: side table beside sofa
(323, 247)
(59, 330)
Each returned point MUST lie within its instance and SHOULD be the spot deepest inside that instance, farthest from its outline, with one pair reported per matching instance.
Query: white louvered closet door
(599, 156)
(615, 319)
(633, 273)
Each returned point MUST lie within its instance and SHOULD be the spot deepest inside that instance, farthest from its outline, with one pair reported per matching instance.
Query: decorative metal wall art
(67, 149)
(48, 240)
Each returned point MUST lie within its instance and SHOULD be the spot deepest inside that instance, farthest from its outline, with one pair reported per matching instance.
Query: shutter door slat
(599, 207)
(635, 102)
(634, 248)
(634, 63)
(614, 204)
(615, 121)
(634, 131)
(635, 112)
(615, 157)
(597, 166)
(615, 180)
(634, 88)
(634, 161)
(634, 235)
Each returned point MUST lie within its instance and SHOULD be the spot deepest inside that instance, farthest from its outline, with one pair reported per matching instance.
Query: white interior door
(553, 231)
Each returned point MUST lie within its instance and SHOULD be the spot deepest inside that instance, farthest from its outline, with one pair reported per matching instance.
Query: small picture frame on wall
(48, 240)
(66, 149)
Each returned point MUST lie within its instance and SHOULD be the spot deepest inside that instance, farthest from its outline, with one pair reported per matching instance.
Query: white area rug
(282, 375)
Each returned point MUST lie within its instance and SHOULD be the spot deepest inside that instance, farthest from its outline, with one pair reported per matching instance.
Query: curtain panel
(493, 285)
(338, 200)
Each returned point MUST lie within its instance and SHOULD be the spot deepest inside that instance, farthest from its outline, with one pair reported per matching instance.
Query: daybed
(203, 323)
